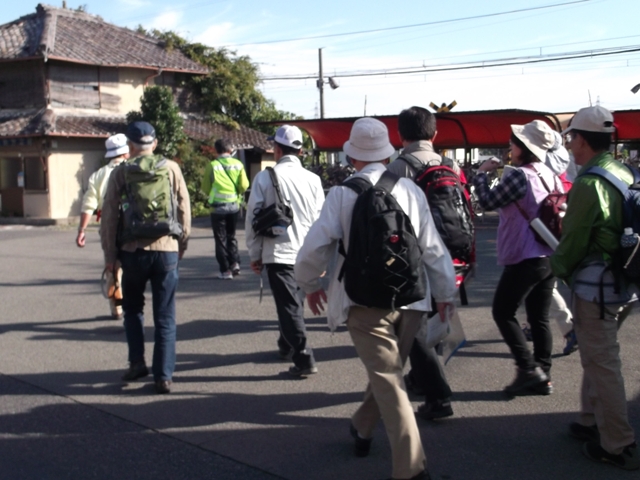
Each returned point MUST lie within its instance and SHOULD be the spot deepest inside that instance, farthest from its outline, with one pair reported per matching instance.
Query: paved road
(233, 413)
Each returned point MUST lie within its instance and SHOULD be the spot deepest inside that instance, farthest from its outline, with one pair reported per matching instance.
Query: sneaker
(627, 460)
(136, 370)
(413, 387)
(235, 269)
(226, 275)
(584, 432)
(435, 410)
(361, 446)
(529, 382)
(526, 329)
(571, 343)
(302, 372)
(163, 386)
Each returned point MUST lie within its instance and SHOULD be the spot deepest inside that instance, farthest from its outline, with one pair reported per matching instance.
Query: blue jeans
(161, 268)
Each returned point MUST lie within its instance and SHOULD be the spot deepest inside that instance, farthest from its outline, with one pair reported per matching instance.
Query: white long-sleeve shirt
(320, 249)
(302, 191)
(97, 187)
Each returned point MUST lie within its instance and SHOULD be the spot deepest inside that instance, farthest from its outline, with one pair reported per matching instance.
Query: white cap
(592, 119)
(537, 136)
(116, 145)
(368, 141)
(289, 136)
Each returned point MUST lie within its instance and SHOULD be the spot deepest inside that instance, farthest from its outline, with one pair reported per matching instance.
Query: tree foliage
(158, 107)
(229, 94)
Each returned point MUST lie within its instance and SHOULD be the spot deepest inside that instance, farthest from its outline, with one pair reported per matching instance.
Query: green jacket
(224, 181)
(592, 226)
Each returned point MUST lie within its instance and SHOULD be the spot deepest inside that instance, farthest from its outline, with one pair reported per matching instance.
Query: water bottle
(629, 239)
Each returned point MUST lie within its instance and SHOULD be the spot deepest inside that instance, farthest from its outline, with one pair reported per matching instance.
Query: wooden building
(67, 80)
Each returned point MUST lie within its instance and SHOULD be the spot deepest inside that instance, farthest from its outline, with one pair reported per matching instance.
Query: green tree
(229, 94)
(158, 107)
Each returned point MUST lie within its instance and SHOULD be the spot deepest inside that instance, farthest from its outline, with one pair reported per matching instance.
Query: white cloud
(216, 35)
(168, 20)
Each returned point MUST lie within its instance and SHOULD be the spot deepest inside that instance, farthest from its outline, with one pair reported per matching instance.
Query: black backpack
(383, 267)
(627, 260)
(449, 205)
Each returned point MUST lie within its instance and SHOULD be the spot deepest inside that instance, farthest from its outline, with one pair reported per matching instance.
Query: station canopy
(480, 129)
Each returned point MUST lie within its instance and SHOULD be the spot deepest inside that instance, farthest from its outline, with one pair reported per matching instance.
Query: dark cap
(137, 130)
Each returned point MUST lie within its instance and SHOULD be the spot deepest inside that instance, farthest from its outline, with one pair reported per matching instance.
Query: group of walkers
(313, 243)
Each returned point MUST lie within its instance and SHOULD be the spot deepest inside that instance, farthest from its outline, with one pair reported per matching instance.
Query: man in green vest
(225, 181)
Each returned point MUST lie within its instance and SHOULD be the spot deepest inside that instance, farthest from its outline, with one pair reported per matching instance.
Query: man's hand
(180, 254)
(80, 239)
(445, 309)
(488, 166)
(256, 266)
(315, 301)
(110, 267)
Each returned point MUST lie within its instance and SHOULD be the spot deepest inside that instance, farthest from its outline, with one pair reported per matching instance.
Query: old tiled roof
(29, 123)
(242, 138)
(73, 36)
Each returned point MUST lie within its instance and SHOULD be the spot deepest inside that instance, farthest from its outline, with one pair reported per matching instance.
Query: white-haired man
(117, 152)
(382, 337)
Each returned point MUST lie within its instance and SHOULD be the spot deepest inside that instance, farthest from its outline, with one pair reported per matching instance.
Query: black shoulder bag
(272, 221)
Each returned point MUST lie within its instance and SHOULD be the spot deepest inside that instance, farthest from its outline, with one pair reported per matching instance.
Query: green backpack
(149, 207)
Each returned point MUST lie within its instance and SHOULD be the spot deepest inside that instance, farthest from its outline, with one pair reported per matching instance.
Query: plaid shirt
(512, 187)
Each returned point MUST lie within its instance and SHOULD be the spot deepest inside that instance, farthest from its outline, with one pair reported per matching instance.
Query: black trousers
(290, 306)
(427, 373)
(224, 235)
(530, 281)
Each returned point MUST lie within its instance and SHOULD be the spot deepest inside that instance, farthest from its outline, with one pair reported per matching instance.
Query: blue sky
(462, 34)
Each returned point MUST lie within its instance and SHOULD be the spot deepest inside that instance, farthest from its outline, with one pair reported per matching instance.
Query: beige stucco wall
(69, 172)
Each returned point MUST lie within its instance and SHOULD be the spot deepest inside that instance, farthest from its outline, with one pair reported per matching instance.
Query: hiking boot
(584, 432)
(361, 445)
(529, 382)
(226, 275)
(302, 372)
(435, 410)
(629, 459)
(235, 269)
(570, 343)
(136, 370)
(526, 330)
(163, 386)
(413, 387)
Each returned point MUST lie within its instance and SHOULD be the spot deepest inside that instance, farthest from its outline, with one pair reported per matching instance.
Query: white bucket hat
(368, 141)
(537, 136)
(289, 136)
(592, 119)
(116, 145)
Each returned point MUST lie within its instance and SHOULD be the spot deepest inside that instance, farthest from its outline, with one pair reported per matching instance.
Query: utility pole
(320, 83)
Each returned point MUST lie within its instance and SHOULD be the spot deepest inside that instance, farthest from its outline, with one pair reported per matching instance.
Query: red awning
(484, 129)
(627, 124)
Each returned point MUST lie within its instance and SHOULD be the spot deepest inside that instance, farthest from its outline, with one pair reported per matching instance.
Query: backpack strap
(276, 185)
(411, 160)
(610, 177)
(387, 181)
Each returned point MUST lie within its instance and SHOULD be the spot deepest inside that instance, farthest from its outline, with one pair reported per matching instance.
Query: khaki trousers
(383, 340)
(603, 398)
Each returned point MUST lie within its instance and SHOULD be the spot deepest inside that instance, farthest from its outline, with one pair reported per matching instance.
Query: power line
(472, 65)
(438, 22)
